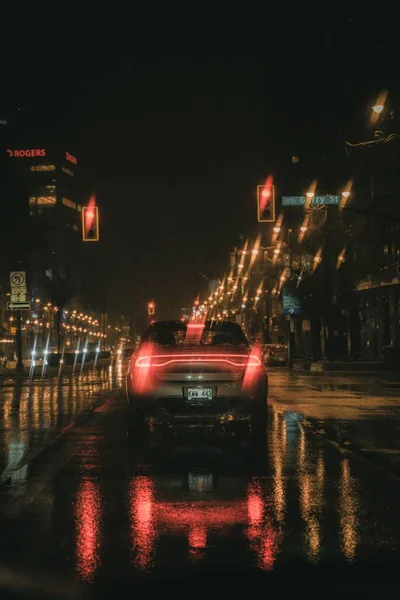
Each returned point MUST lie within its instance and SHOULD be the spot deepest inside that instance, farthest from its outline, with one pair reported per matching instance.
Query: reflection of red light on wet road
(216, 515)
(151, 518)
(261, 536)
(142, 521)
(268, 549)
(198, 537)
(87, 518)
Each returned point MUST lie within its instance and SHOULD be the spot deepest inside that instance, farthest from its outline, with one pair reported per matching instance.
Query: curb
(390, 384)
(338, 373)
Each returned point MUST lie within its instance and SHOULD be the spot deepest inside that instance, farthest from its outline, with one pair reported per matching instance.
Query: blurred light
(277, 229)
(254, 251)
(303, 228)
(276, 251)
(310, 194)
(378, 108)
(345, 194)
(266, 193)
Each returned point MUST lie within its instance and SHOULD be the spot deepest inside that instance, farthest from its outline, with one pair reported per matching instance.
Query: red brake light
(143, 361)
(163, 360)
(254, 361)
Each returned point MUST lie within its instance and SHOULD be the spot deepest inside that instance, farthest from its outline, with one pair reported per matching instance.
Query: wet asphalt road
(90, 514)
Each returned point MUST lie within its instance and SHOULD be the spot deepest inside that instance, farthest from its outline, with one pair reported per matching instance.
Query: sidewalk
(52, 371)
(388, 377)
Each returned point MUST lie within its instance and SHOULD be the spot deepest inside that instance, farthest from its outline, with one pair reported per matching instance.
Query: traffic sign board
(19, 290)
(315, 201)
(18, 297)
(18, 278)
(291, 304)
(18, 305)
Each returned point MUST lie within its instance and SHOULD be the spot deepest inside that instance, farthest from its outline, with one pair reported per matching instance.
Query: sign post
(18, 302)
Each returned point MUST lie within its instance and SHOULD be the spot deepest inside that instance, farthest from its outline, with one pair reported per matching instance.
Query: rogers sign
(27, 153)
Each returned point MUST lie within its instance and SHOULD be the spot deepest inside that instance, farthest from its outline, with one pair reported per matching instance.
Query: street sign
(18, 279)
(18, 305)
(315, 201)
(18, 297)
(19, 290)
(291, 304)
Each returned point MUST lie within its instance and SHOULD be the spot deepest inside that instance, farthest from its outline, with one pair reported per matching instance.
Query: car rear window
(210, 334)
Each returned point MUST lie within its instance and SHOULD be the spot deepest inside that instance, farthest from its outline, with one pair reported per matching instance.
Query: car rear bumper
(230, 404)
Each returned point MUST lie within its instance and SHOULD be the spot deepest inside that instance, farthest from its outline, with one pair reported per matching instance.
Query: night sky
(178, 116)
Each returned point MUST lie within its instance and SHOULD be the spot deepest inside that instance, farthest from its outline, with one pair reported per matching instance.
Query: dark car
(197, 374)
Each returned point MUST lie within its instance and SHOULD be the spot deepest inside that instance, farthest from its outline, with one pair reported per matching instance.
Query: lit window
(42, 200)
(67, 172)
(42, 168)
(69, 203)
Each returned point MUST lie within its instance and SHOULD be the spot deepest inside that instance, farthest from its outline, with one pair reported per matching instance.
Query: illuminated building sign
(27, 153)
(71, 158)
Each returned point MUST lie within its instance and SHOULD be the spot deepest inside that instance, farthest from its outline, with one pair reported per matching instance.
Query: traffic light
(90, 224)
(266, 203)
(151, 308)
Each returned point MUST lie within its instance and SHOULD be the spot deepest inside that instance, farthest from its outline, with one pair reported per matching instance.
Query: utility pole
(290, 319)
(20, 362)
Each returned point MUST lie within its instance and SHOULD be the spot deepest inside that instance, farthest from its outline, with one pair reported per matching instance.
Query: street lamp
(378, 108)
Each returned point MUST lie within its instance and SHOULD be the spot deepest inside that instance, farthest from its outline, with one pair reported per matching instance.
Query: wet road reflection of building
(311, 484)
(33, 412)
(348, 511)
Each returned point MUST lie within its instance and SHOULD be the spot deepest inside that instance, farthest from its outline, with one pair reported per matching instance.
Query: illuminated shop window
(69, 203)
(51, 199)
(42, 168)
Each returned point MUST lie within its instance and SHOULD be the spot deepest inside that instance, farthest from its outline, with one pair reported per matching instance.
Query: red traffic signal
(151, 308)
(90, 224)
(266, 203)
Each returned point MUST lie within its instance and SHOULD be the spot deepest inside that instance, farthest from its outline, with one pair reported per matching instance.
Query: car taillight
(254, 361)
(164, 360)
(143, 362)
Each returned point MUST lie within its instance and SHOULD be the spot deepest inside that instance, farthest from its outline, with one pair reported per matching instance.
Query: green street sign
(315, 201)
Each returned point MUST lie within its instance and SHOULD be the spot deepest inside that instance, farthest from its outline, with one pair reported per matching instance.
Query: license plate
(200, 393)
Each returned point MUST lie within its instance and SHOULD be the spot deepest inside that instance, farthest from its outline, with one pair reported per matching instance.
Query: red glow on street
(142, 521)
(87, 519)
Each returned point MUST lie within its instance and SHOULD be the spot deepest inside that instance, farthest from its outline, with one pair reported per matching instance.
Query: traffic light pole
(290, 319)
(20, 363)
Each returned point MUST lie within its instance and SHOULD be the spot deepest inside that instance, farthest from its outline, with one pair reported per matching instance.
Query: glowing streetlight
(303, 228)
(378, 108)
(345, 194)
(277, 229)
(310, 194)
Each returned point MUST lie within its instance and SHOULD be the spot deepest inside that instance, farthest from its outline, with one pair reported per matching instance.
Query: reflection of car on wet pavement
(197, 375)
(276, 355)
(191, 506)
